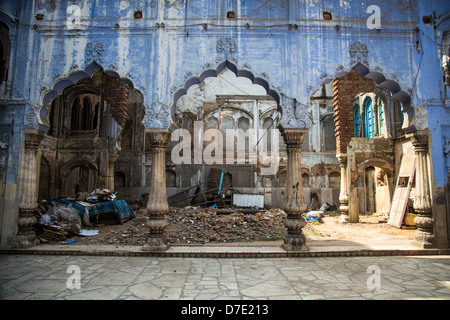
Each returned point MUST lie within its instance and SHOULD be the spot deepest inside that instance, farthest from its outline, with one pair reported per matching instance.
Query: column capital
(293, 137)
(157, 137)
(33, 139)
(342, 158)
(419, 141)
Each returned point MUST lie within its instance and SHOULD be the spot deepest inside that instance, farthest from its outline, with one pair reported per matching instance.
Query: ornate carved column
(157, 204)
(26, 237)
(295, 205)
(422, 202)
(343, 194)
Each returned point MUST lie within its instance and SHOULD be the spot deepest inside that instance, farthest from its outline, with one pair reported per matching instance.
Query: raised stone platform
(325, 248)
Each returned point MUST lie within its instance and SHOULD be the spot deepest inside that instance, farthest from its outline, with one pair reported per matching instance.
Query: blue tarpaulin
(118, 207)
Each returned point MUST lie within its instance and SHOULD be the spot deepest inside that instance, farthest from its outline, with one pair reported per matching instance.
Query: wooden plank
(402, 190)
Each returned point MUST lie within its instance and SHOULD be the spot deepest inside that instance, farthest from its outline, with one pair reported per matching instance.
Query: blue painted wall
(284, 45)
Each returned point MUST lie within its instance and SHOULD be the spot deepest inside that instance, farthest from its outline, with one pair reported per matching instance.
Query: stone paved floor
(30, 277)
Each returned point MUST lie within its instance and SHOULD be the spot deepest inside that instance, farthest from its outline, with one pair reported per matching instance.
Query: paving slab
(25, 277)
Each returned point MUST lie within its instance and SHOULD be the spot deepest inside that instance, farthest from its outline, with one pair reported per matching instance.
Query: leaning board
(402, 190)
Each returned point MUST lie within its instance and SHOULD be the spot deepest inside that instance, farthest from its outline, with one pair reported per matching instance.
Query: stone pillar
(157, 204)
(112, 159)
(422, 202)
(343, 194)
(295, 205)
(27, 196)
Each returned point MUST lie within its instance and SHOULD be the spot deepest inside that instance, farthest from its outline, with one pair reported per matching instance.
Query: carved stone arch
(72, 92)
(267, 113)
(171, 178)
(210, 117)
(334, 177)
(244, 117)
(218, 108)
(76, 163)
(183, 119)
(9, 23)
(214, 72)
(380, 80)
(326, 115)
(189, 114)
(71, 79)
(73, 164)
(281, 177)
(375, 162)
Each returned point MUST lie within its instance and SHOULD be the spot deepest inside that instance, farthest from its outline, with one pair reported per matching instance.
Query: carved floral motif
(358, 53)
(226, 45)
(94, 50)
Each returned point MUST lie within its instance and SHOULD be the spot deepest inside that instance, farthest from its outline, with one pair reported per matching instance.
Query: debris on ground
(233, 225)
(60, 219)
(317, 215)
(193, 225)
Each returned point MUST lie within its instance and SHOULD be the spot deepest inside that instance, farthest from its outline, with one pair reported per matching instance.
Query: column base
(26, 237)
(424, 240)
(25, 241)
(156, 239)
(295, 243)
(343, 218)
(156, 244)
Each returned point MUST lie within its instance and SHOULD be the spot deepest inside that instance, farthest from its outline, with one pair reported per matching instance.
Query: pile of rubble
(194, 225)
(199, 225)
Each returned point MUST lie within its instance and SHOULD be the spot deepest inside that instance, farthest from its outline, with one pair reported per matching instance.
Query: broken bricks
(201, 225)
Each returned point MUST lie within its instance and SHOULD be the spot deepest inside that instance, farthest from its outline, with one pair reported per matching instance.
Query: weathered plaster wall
(285, 46)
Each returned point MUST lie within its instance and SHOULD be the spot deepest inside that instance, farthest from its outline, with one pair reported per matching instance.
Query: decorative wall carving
(358, 53)
(31, 116)
(227, 46)
(157, 115)
(295, 115)
(94, 50)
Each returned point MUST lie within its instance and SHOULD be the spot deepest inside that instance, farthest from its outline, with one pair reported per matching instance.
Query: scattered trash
(68, 241)
(88, 233)
(314, 216)
(101, 195)
(248, 200)
(317, 215)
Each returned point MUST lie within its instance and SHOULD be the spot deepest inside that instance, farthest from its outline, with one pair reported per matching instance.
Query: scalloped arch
(72, 78)
(381, 81)
(214, 72)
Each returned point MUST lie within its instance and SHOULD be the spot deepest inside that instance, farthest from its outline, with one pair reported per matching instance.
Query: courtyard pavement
(73, 277)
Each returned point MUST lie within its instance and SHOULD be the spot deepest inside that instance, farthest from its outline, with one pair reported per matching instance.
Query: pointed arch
(71, 79)
(214, 73)
(380, 80)
(369, 118)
